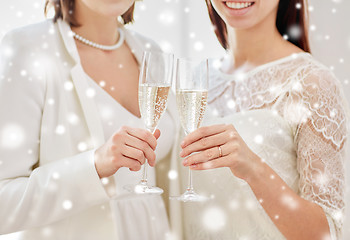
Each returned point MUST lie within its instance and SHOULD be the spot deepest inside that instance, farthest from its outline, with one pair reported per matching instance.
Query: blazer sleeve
(32, 195)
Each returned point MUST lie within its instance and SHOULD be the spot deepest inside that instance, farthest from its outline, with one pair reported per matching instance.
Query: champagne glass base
(190, 196)
(143, 188)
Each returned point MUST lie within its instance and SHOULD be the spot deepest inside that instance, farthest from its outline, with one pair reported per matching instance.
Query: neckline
(103, 91)
(264, 66)
(71, 46)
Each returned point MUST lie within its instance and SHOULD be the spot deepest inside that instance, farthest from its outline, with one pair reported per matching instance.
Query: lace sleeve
(320, 144)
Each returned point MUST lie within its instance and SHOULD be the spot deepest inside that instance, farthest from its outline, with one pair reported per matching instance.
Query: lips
(238, 5)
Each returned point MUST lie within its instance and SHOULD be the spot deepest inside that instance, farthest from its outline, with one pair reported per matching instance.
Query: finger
(203, 132)
(156, 133)
(143, 135)
(203, 156)
(130, 163)
(216, 163)
(205, 143)
(148, 152)
(134, 153)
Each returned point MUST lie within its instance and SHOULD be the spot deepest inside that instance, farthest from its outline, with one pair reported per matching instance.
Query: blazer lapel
(134, 44)
(81, 86)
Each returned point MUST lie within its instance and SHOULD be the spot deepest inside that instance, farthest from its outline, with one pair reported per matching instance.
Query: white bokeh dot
(106, 112)
(104, 181)
(214, 218)
(166, 46)
(234, 204)
(12, 136)
(231, 104)
(102, 83)
(55, 175)
(172, 174)
(67, 204)
(295, 32)
(72, 118)
(47, 232)
(289, 201)
(258, 139)
(90, 92)
(82, 146)
(312, 27)
(60, 129)
(198, 46)
(23, 73)
(51, 101)
(166, 17)
(68, 86)
(250, 204)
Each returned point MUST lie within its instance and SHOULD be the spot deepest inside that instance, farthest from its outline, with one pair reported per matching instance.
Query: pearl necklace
(100, 46)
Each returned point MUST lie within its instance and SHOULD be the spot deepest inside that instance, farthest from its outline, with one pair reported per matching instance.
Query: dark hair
(288, 16)
(64, 9)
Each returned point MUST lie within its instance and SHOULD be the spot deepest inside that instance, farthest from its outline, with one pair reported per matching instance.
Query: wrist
(257, 170)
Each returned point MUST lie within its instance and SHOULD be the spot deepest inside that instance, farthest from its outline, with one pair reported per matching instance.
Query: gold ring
(220, 152)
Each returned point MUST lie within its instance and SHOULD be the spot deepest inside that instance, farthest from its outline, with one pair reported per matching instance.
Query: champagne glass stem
(190, 180)
(145, 166)
(144, 173)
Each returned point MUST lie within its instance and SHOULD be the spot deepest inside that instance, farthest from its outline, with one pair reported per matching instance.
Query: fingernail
(182, 154)
(183, 143)
(185, 162)
(194, 166)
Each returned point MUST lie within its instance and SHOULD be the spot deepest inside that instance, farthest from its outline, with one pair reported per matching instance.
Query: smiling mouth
(239, 5)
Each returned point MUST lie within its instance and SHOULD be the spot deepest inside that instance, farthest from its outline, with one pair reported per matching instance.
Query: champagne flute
(154, 84)
(191, 100)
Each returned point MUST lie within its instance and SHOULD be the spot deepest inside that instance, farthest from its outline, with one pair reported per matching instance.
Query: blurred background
(183, 27)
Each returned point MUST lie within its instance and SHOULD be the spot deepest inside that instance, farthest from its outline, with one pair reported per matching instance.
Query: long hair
(64, 9)
(288, 16)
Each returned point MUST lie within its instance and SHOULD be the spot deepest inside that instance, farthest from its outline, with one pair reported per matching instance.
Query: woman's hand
(129, 147)
(219, 146)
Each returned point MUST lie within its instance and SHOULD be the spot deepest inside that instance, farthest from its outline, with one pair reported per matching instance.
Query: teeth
(235, 5)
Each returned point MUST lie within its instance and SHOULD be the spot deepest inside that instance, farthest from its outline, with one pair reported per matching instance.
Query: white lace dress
(290, 112)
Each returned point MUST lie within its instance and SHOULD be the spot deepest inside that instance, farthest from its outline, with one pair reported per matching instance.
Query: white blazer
(49, 187)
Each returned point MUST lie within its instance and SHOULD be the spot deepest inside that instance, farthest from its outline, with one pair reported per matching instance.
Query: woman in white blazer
(70, 128)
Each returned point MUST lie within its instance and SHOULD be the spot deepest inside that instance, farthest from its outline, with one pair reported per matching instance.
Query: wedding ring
(220, 152)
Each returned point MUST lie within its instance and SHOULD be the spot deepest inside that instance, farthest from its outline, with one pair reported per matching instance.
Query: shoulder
(323, 94)
(24, 51)
(310, 67)
(315, 77)
(30, 34)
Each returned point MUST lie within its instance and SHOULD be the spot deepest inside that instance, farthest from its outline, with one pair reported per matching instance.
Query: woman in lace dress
(71, 132)
(273, 147)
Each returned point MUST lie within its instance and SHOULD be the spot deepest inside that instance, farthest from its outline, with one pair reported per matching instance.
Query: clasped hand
(219, 146)
(128, 147)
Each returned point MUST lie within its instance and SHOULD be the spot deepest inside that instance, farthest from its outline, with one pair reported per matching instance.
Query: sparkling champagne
(152, 101)
(191, 105)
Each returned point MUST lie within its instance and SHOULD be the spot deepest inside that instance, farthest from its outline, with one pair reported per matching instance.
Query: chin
(114, 10)
(240, 24)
